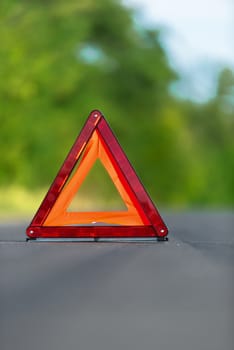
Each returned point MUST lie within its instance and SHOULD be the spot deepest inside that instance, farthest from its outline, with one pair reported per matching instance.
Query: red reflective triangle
(53, 220)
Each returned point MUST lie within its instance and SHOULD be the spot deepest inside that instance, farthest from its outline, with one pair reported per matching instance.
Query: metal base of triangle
(102, 240)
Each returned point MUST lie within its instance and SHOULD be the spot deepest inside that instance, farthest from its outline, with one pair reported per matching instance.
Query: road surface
(108, 296)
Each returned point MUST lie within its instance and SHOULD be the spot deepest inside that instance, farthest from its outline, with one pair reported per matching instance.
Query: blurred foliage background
(61, 59)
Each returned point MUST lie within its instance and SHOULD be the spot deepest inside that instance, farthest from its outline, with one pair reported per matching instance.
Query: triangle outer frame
(126, 173)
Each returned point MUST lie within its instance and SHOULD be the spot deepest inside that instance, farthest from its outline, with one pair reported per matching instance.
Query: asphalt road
(105, 296)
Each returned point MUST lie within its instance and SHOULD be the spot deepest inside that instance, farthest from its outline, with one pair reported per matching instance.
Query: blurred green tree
(61, 59)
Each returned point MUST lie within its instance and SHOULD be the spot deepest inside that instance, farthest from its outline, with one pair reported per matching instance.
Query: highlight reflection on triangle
(96, 142)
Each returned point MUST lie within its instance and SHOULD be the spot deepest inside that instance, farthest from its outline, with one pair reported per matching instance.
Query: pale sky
(198, 35)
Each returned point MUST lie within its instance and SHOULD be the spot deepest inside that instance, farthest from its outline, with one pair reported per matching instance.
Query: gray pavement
(172, 295)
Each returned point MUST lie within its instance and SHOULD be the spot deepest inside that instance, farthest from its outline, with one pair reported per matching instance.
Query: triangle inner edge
(96, 193)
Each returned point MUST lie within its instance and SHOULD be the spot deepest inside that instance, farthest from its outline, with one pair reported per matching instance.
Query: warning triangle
(53, 219)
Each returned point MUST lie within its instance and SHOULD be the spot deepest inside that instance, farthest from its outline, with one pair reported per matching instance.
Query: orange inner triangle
(60, 215)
